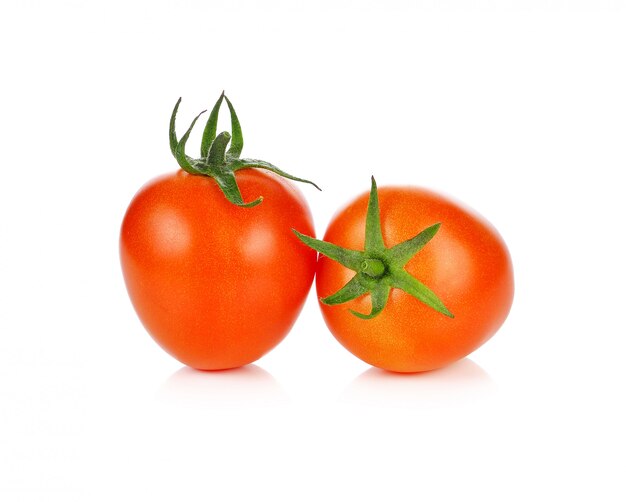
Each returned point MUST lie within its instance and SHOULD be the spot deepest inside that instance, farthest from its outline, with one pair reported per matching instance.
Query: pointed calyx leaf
(237, 145)
(347, 257)
(379, 295)
(260, 164)
(217, 162)
(227, 183)
(353, 289)
(403, 252)
(378, 268)
(210, 130)
(179, 153)
(406, 282)
(373, 232)
(173, 139)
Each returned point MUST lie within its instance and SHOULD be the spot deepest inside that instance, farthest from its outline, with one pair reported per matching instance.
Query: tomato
(463, 264)
(215, 281)
(216, 285)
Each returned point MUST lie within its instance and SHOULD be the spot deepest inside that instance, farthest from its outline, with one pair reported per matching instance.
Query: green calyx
(378, 268)
(215, 160)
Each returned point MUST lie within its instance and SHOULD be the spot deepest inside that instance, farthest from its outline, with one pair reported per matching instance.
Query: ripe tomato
(466, 264)
(215, 284)
(216, 281)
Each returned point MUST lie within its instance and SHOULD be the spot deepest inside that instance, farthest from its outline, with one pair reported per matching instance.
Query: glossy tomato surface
(466, 264)
(216, 285)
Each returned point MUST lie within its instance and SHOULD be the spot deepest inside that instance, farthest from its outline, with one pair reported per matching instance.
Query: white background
(516, 108)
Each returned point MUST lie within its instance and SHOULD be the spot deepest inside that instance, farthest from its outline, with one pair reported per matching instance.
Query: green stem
(217, 151)
(373, 267)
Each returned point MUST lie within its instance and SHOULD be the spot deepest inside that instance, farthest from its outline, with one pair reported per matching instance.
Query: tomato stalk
(373, 267)
(215, 161)
(378, 268)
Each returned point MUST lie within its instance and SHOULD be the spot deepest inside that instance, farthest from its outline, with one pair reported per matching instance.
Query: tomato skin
(467, 265)
(216, 285)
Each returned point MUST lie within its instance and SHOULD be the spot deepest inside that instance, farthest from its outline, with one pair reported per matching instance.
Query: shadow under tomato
(245, 386)
(460, 383)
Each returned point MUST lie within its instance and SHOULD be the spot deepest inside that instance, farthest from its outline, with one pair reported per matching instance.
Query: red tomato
(466, 264)
(215, 284)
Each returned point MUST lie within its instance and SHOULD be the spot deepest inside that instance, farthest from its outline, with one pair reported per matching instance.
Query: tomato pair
(409, 280)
